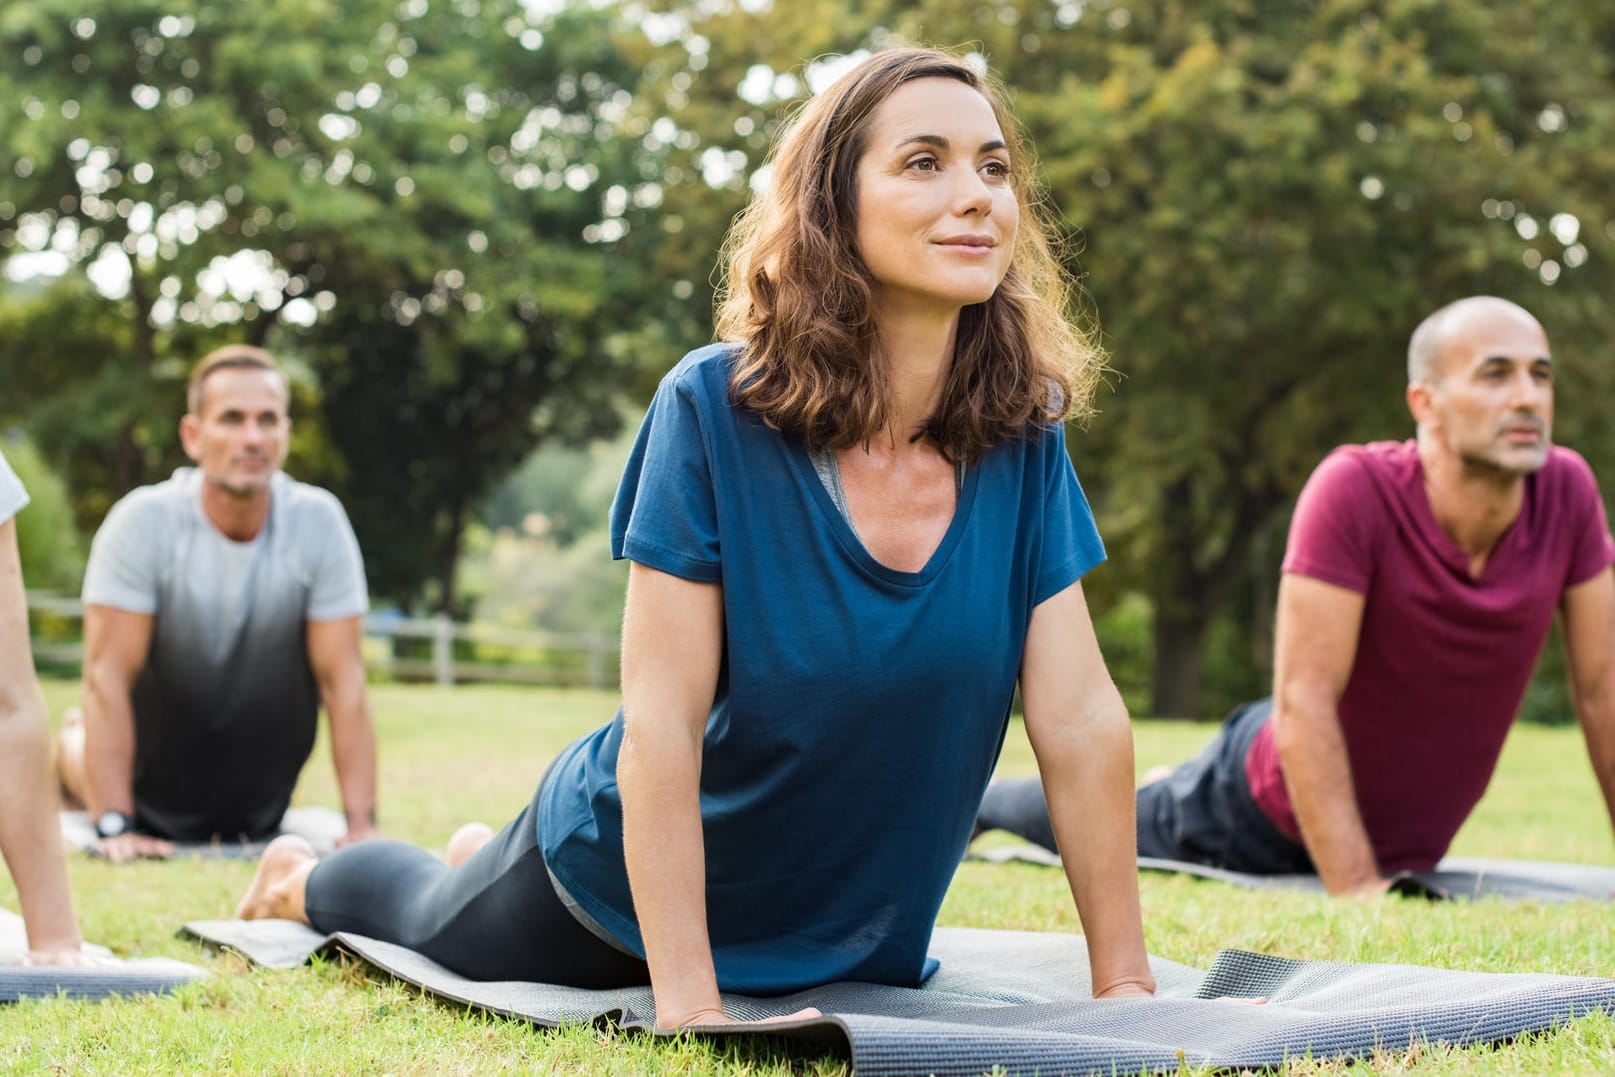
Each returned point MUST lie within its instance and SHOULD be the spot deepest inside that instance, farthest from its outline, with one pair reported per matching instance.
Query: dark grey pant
(1202, 812)
(495, 917)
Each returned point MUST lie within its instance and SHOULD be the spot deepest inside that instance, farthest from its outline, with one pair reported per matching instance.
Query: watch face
(111, 824)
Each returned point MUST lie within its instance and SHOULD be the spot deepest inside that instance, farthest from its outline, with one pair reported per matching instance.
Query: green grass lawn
(453, 755)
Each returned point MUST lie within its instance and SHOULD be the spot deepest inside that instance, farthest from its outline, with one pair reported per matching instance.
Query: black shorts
(1202, 812)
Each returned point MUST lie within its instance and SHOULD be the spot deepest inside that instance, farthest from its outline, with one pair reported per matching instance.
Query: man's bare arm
(1316, 644)
(338, 663)
(1589, 623)
(116, 643)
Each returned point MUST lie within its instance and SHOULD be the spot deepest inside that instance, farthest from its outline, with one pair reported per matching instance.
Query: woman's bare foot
(465, 842)
(276, 892)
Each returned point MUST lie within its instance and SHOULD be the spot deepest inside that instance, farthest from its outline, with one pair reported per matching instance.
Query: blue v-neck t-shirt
(859, 709)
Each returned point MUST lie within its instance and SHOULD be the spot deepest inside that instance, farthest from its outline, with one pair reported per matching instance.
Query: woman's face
(936, 210)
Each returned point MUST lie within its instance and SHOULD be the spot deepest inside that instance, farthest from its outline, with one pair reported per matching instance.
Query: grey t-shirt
(226, 707)
(12, 496)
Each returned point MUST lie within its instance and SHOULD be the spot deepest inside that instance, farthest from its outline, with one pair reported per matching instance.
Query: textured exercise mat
(145, 976)
(1020, 1001)
(322, 827)
(1456, 878)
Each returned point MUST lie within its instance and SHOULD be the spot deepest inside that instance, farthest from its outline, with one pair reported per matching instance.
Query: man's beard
(1494, 464)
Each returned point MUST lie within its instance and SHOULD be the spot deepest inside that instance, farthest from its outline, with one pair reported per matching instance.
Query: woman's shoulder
(699, 387)
(703, 372)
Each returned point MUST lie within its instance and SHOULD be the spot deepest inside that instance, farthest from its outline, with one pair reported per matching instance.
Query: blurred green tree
(1264, 199)
(417, 203)
(51, 551)
(106, 423)
(546, 561)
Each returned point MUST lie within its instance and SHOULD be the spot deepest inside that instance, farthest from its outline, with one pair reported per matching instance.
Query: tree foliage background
(1263, 200)
(484, 223)
(414, 202)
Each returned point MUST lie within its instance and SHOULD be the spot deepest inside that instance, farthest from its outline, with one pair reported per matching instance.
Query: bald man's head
(1428, 346)
(1480, 386)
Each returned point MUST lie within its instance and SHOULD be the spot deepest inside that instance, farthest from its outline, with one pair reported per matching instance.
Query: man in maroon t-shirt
(1419, 583)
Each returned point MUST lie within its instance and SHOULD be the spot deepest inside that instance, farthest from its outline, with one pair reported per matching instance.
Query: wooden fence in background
(425, 649)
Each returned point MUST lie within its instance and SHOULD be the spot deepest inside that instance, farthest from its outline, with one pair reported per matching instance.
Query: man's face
(239, 436)
(1491, 402)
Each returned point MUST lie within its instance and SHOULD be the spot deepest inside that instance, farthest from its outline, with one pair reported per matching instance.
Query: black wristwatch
(109, 824)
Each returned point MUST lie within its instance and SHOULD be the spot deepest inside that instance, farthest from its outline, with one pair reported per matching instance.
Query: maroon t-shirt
(1442, 659)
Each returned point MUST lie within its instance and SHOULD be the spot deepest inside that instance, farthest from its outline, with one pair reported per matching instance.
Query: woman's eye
(997, 169)
(924, 164)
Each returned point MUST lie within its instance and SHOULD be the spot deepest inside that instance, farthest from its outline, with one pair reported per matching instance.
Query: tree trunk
(449, 559)
(127, 467)
(126, 470)
(1264, 596)
(1194, 586)
(1180, 640)
(1183, 599)
(145, 332)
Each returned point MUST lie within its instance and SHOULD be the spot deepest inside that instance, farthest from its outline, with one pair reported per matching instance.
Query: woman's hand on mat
(715, 1016)
(125, 847)
(74, 956)
(1127, 989)
(1132, 989)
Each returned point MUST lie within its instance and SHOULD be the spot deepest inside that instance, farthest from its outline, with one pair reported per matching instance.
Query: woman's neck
(918, 354)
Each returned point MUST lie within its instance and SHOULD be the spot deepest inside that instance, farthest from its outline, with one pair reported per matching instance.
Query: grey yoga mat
(323, 827)
(1020, 1001)
(1455, 878)
(144, 976)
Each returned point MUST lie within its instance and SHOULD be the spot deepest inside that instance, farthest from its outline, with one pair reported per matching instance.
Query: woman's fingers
(708, 1018)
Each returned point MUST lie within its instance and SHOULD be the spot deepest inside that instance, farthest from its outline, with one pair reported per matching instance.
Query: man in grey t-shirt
(221, 608)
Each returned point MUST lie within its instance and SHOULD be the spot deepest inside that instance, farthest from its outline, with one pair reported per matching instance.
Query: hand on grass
(715, 1016)
(358, 832)
(1376, 887)
(125, 847)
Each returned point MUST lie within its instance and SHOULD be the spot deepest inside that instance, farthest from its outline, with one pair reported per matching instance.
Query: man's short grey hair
(229, 357)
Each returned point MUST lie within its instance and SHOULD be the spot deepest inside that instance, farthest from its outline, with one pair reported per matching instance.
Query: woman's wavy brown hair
(799, 299)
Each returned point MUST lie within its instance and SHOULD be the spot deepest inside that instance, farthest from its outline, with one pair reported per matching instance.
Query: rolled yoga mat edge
(137, 976)
(1019, 1001)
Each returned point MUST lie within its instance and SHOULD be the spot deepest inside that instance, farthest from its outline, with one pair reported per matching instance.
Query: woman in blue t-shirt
(852, 531)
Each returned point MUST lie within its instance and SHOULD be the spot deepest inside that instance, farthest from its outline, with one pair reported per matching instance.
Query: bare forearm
(30, 836)
(353, 750)
(1317, 773)
(109, 745)
(1597, 715)
(658, 773)
(1088, 772)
